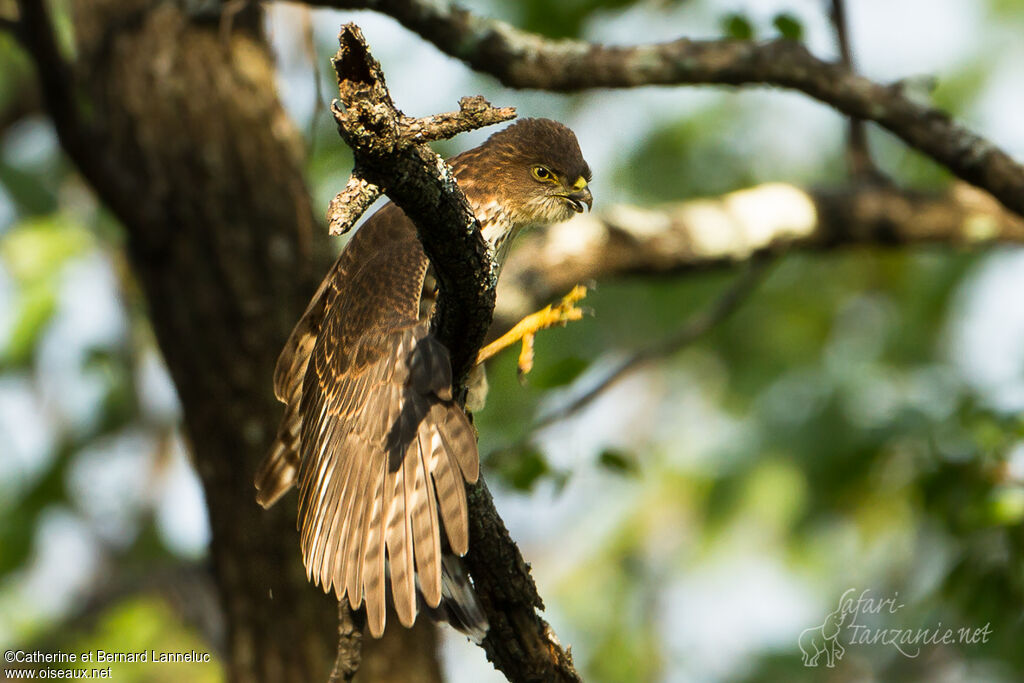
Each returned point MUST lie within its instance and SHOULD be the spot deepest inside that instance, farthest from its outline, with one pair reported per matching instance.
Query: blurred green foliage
(148, 626)
(564, 19)
(738, 26)
(675, 159)
(823, 427)
(34, 253)
(788, 26)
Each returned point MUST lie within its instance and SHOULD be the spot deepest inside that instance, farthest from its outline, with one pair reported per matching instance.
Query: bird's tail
(459, 605)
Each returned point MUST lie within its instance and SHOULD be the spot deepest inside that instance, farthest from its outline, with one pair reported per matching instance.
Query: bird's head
(532, 173)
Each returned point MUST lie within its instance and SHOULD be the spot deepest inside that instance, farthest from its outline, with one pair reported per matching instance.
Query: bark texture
(389, 153)
(521, 59)
(185, 140)
(390, 659)
(187, 144)
(721, 231)
(225, 253)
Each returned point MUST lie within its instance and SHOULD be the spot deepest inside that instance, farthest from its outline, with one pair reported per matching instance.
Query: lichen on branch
(391, 155)
(520, 59)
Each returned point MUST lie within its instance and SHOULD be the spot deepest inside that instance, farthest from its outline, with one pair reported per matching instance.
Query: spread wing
(381, 449)
(277, 473)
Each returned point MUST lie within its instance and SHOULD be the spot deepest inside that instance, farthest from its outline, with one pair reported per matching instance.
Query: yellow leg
(559, 314)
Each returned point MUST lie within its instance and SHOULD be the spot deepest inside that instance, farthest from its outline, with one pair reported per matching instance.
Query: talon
(525, 363)
(559, 314)
(578, 293)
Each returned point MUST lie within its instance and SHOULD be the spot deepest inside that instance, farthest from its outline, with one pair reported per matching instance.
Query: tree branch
(715, 232)
(390, 152)
(519, 643)
(350, 645)
(55, 76)
(81, 140)
(694, 328)
(475, 112)
(521, 59)
(858, 153)
(349, 204)
(182, 135)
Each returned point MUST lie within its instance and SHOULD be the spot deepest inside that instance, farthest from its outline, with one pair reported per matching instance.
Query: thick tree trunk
(402, 655)
(223, 240)
(225, 256)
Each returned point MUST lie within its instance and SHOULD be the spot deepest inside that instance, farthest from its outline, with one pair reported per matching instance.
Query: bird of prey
(371, 434)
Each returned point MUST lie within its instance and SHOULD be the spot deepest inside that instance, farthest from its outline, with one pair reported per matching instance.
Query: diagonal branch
(521, 59)
(716, 232)
(692, 330)
(390, 152)
(81, 139)
(349, 204)
(56, 78)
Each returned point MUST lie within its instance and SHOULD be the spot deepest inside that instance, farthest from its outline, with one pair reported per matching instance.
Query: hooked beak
(579, 198)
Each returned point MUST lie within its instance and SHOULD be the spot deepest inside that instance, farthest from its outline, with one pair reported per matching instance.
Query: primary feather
(371, 435)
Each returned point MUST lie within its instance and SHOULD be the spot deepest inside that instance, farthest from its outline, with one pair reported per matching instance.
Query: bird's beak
(581, 197)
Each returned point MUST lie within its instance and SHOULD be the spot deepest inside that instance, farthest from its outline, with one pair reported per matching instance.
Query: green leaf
(675, 158)
(788, 26)
(736, 25)
(618, 462)
(118, 407)
(34, 253)
(16, 536)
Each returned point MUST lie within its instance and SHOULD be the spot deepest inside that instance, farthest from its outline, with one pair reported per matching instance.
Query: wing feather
(359, 534)
(371, 436)
(460, 442)
(400, 551)
(451, 493)
(373, 560)
(343, 502)
(320, 534)
(426, 535)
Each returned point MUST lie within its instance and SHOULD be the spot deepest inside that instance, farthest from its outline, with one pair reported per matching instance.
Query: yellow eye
(542, 174)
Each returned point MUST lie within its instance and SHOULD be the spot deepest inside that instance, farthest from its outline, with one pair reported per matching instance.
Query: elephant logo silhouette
(824, 640)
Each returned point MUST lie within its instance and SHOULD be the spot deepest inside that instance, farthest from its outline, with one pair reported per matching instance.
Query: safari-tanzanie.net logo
(846, 625)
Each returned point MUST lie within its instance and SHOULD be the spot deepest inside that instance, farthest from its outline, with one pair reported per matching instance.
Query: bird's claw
(526, 329)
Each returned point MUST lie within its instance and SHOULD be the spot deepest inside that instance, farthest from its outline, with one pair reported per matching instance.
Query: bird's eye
(543, 174)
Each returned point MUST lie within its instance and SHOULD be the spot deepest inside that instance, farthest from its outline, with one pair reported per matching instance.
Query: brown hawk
(371, 433)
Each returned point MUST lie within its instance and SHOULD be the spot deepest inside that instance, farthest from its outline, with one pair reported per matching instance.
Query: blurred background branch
(520, 59)
(855, 422)
(390, 151)
(694, 328)
(858, 153)
(23, 103)
(683, 237)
